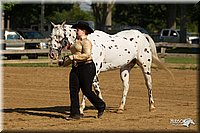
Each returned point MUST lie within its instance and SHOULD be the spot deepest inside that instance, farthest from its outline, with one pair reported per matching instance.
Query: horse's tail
(161, 65)
(152, 44)
(155, 58)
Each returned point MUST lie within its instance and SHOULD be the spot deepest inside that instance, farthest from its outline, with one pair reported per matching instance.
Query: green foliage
(195, 11)
(153, 17)
(8, 6)
(23, 15)
(58, 17)
(71, 16)
(192, 27)
(144, 15)
(193, 17)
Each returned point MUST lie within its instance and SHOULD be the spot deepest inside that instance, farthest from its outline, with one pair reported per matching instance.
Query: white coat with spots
(122, 50)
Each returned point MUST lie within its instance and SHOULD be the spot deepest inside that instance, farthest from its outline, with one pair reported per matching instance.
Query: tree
(171, 16)
(187, 19)
(198, 15)
(71, 16)
(7, 8)
(25, 15)
(183, 32)
(149, 16)
(195, 15)
(102, 12)
(57, 12)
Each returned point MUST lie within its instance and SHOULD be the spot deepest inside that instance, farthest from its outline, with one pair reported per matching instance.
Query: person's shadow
(52, 112)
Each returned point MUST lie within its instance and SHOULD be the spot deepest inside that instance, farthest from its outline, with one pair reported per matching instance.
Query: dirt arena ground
(37, 99)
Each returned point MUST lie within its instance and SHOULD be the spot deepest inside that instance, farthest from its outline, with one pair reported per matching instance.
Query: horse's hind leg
(124, 74)
(82, 105)
(145, 65)
(97, 91)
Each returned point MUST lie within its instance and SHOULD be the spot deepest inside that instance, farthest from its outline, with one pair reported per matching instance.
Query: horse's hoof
(119, 111)
(81, 115)
(152, 109)
(81, 111)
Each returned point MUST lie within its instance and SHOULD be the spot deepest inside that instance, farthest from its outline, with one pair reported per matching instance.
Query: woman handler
(82, 72)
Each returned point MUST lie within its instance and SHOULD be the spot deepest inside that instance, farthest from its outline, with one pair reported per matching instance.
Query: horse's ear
(53, 24)
(63, 23)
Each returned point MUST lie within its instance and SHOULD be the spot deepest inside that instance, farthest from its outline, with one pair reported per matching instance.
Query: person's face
(80, 32)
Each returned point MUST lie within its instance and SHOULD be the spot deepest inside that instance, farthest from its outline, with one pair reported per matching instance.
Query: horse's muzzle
(53, 54)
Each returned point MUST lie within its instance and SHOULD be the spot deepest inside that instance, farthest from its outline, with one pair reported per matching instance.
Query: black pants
(82, 77)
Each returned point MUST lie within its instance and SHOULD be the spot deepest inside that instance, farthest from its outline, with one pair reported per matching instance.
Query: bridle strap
(64, 42)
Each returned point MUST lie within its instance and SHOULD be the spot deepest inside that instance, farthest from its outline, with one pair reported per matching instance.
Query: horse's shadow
(51, 112)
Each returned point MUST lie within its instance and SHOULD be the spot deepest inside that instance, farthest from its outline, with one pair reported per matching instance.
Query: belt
(76, 64)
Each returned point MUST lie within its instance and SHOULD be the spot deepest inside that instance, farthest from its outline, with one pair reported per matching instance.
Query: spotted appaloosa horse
(122, 50)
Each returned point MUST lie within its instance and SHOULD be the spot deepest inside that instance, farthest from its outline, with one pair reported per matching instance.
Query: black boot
(101, 111)
(74, 117)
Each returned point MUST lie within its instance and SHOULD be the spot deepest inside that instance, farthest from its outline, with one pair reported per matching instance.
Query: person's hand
(65, 61)
(71, 57)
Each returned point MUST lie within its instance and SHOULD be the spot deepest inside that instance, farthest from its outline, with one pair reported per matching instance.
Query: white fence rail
(162, 45)
(165, 45)
(26, 51)
(25, 41)
(176, 45)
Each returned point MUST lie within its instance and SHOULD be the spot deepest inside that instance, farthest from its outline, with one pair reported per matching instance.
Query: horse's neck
(96, 36)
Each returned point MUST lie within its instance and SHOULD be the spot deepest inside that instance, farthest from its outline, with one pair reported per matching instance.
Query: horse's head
(57, 38)
(62, 37)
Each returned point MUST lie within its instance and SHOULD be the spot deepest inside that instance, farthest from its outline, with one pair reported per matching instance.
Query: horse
(122, 50)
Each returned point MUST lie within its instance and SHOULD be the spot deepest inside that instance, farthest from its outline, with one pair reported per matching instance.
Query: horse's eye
(58, 36)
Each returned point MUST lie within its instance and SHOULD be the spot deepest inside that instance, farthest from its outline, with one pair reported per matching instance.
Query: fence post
(163, 49)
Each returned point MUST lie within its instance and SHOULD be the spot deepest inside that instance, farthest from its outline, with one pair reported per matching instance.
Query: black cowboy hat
(83, 25)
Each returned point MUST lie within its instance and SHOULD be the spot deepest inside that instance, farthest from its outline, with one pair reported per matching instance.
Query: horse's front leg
(97, 91)
(124, 74)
